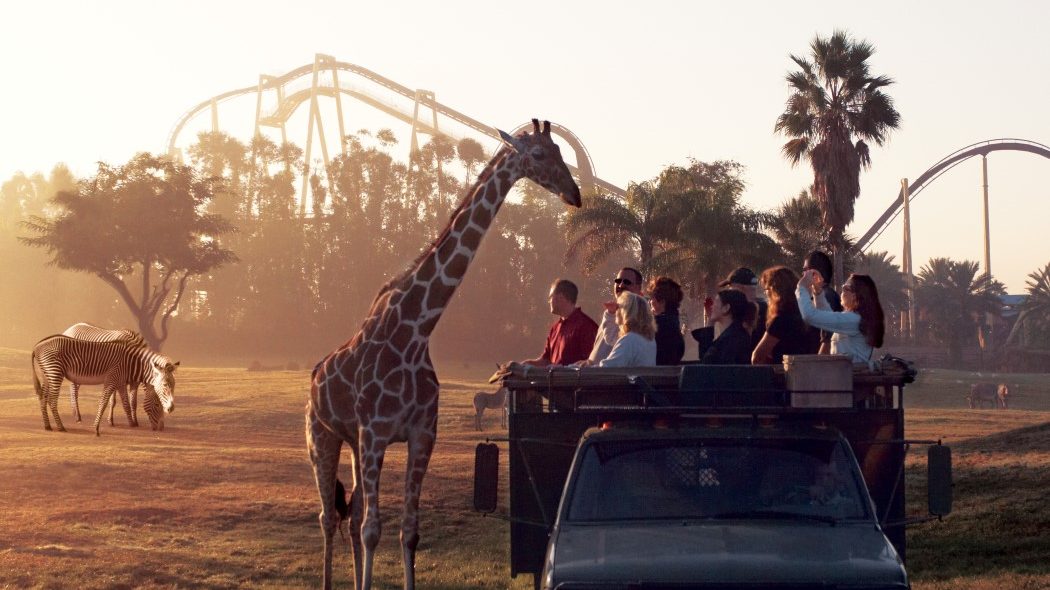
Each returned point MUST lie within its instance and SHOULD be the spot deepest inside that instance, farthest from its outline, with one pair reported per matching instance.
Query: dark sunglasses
(624, 282)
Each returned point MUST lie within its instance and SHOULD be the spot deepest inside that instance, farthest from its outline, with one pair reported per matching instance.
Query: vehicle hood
(769, 553)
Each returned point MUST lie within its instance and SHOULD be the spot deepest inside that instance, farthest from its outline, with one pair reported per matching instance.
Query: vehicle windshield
(717, 479)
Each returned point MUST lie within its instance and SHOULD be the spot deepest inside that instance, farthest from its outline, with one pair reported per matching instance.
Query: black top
(732, 347)
(760, 324)
(670, 346)
(794, 335)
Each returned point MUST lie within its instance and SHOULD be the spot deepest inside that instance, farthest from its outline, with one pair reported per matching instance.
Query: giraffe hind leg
(324, 458)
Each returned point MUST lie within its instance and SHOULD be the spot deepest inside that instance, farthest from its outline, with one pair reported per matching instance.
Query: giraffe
(380, 387)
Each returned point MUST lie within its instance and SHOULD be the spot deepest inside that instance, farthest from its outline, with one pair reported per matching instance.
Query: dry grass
(224, 497)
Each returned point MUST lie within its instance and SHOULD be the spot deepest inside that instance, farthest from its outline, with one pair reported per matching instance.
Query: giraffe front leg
(324, 457)
(419, 449)
(370, 453)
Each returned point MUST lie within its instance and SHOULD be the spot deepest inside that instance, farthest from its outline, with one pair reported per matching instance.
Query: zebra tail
(36, 379)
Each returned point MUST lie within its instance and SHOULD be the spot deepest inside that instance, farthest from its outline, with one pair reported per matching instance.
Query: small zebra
(112, 364)
(92, 333)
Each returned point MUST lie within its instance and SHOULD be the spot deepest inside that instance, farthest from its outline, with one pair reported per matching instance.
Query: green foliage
(955, 298)
(145, 218)
(833, 100)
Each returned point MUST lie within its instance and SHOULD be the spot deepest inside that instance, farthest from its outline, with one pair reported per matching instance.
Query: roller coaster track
(287, 105)
(982, 148)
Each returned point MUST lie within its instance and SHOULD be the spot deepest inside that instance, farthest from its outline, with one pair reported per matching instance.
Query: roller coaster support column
(315, 113)
(907, 317)
(987, 233)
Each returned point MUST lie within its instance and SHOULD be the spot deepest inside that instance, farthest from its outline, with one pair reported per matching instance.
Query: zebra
(90, 332)
(112, 364)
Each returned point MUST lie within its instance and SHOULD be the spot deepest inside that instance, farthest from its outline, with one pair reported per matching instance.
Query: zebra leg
(74, 395)
(324, 456)
(53, 390)
(108, 390)
(134, 405)
(123, 391)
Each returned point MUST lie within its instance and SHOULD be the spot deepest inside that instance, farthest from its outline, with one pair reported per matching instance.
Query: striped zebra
(92, 333)
(111, 364)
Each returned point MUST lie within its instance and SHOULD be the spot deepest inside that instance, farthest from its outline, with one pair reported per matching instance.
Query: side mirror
(486, 477)
(939, 479)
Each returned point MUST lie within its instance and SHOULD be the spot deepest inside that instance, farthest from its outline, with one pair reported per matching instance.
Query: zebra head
(162, 380)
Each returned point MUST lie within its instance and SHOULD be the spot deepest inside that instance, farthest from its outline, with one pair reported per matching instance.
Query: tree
(1034, 320)
(834, 99)
(798, 228)
(955, 300)
(890, 281)
(146, 219)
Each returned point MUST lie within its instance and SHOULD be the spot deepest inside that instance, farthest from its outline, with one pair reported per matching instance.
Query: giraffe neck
(440, 269)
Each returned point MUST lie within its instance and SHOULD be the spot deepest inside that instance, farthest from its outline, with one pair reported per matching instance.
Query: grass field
(224, 496)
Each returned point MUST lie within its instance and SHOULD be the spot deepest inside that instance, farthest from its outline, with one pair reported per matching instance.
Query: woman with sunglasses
(859, 328)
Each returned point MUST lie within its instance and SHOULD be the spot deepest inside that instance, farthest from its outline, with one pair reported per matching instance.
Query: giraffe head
(541, 161)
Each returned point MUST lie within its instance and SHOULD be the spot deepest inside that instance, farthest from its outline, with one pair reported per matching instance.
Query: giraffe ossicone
(380, 387)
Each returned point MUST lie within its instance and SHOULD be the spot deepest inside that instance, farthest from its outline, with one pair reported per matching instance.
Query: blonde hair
(633, 315)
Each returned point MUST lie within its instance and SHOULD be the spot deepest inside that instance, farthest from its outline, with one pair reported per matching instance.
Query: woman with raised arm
(859, 328)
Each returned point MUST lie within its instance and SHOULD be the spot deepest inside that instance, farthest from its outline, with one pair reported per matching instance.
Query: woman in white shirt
(859, 328)
(636, 345)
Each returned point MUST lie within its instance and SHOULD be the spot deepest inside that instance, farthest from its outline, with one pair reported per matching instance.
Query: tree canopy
(142, 229)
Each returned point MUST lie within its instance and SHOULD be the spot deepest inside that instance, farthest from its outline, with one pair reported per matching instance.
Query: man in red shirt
(572, 335)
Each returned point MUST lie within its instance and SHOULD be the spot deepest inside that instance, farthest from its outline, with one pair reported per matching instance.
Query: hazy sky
(643, 84)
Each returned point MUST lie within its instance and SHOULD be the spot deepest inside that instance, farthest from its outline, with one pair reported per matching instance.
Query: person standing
(823, 282)
(665, 296)
(733, 345)
(628, 280)
(571, 336)
(636, 344)
(857, 330)
(786, 332)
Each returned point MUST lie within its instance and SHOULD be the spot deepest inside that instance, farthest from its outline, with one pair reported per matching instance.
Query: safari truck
(703, 476)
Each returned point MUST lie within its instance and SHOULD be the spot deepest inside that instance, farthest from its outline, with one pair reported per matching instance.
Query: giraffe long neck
(439, 271)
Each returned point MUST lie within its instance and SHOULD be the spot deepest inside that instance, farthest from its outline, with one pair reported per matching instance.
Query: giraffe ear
(513, 142)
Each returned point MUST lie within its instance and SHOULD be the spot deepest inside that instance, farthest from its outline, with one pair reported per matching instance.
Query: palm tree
(955, 300)
(607, 224)
(834, 99)
(889, 279)
(798, 228)
(1035, 312)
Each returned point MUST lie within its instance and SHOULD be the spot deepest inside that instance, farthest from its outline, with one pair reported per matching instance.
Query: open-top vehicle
(709, 476)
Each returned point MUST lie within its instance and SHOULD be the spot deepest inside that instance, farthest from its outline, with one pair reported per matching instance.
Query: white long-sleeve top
(631, 350)
(608, 331)
(844, 326)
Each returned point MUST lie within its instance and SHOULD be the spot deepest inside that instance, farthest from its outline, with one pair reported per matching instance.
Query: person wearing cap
(744, 280)
(627, 280)
(821, 263)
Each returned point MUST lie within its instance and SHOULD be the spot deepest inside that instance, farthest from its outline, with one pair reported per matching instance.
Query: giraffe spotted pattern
(380, 387)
